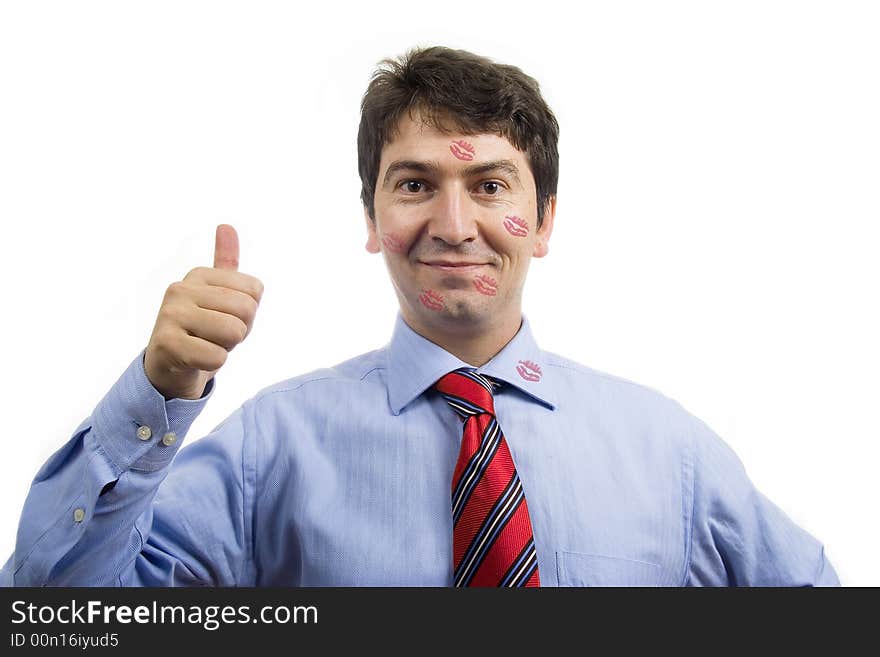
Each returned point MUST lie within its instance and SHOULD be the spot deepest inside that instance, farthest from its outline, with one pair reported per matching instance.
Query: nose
(452, 218)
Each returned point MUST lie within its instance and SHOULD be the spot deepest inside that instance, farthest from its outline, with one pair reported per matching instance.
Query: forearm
(89, 506)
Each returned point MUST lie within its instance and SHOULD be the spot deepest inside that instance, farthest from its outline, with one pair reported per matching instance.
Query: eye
(413, 186)
(491, 187)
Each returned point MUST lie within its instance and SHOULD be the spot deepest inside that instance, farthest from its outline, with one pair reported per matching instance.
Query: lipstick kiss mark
(529, 371)
(462, 150)
(516, 226)
(393, 243)
(486, 285)
(431, 300)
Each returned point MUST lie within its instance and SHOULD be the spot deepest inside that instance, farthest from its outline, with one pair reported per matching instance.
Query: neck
(475, 345)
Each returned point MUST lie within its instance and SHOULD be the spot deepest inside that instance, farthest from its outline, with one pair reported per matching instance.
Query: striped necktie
(492, 541)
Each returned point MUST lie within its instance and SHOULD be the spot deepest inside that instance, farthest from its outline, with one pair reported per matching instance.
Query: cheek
(516, 225)
(394, 242)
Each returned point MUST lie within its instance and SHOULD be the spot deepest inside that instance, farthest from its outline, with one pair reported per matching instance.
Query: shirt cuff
(136, 427)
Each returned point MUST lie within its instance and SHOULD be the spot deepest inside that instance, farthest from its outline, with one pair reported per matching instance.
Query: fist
(202, 318)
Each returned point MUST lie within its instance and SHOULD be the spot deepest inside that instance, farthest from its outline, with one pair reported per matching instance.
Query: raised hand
(202, 318)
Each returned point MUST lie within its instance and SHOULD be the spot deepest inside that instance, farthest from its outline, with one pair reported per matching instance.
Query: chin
(463, 311)
(459, 311)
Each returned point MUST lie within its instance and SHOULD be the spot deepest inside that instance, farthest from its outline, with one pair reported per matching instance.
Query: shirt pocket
(582, 569)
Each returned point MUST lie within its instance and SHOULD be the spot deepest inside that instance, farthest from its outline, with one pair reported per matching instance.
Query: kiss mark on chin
(431, 300)
(393, 243)
(462, 150)
(486, 285)
(516, 226)
(529, 370)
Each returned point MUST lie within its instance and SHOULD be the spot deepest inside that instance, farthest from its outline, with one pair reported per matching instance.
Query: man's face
(456, 218)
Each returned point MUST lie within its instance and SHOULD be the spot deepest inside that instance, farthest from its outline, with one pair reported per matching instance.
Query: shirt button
(78, 515)
(144, 432)
(169, 438)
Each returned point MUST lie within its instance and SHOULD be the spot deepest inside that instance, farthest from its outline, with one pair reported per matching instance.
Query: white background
(715, 235)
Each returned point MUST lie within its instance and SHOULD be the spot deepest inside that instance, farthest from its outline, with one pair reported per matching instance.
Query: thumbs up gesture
(202, 318)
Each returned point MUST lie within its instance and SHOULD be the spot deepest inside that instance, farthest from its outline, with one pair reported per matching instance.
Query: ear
(542, 246)
(372, 237)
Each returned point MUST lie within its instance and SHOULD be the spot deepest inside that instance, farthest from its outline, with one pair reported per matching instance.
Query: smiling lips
(453, 267)
(431, 300)
(462, 150)
(516, 226)
(486, 285)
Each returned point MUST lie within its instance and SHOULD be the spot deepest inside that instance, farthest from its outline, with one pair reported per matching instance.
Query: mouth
(451, 266)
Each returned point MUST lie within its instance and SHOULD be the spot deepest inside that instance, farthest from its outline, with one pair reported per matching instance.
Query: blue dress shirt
(341, 477)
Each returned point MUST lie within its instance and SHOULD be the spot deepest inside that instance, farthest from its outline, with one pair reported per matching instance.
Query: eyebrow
(503, 166)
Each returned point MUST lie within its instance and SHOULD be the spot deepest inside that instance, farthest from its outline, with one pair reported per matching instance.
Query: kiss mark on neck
(462, 150)
(516, 226)
(431, 300)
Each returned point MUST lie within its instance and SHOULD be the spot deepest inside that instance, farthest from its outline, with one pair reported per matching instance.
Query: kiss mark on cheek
(431, 300)
(486, 285)
(393, 243)
(462, 150)
(516, 226)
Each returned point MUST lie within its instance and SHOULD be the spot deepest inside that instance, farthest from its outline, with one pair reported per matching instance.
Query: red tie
(492, 541)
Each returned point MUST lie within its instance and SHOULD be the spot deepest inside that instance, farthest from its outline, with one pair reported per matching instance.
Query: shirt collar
(415, 364)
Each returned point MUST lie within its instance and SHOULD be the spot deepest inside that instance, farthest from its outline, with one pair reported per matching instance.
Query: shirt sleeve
(108, 508)
(739, 537)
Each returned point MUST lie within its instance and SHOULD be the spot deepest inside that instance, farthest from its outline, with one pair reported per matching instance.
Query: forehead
(416, 140)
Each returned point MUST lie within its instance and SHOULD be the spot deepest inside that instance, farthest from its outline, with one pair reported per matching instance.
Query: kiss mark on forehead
(516, 226)
(393, 243)
(486, 285)
(431, 300)
(462, 150)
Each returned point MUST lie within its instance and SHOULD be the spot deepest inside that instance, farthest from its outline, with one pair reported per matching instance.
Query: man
(460, 454)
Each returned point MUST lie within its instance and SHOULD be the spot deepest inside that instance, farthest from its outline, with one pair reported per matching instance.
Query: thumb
(226, 248)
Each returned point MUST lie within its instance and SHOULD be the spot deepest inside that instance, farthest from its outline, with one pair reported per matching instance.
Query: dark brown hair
(475, 94)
